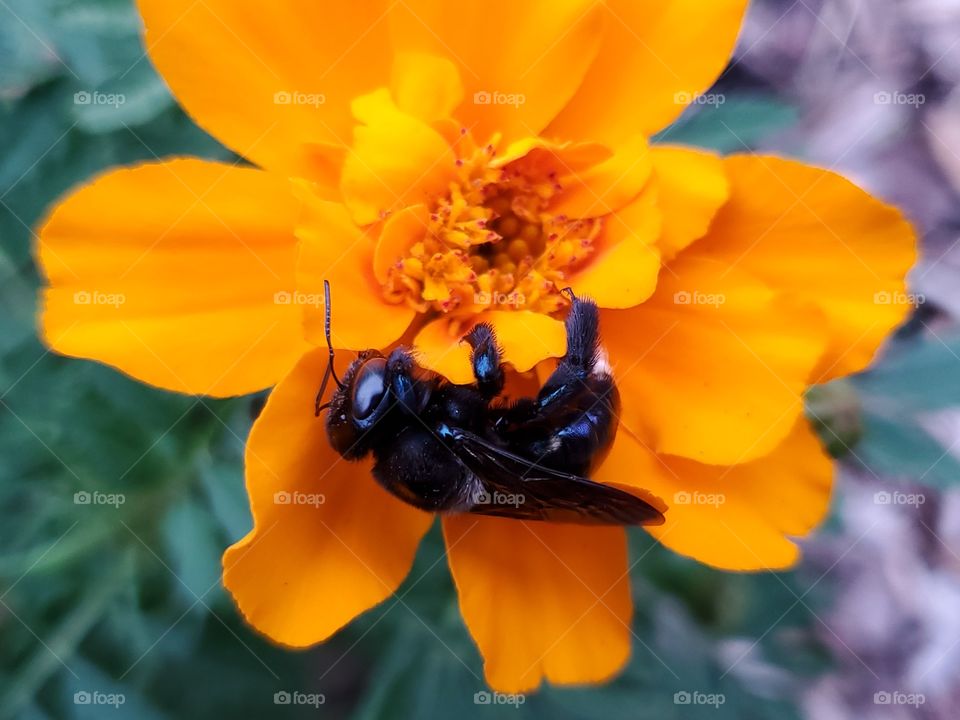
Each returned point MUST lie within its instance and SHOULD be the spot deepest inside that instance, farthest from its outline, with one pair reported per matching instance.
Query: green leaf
(900, 448)
(921, 377)
(126, 101)
(740, 123)
(62, 640)
(27, 55)
(915, 379)
(193, 547)
(94, 695)
(227, 497)
(98, 40)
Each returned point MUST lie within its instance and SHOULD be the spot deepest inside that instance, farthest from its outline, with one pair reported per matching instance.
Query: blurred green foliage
(128, 600)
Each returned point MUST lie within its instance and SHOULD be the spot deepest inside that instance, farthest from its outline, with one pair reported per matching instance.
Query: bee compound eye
(369, 387)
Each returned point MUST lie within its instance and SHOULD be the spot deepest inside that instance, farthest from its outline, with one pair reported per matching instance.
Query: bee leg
(583, 359)
(580, 398)
(409, 394)
(583, 335)
(485, 359)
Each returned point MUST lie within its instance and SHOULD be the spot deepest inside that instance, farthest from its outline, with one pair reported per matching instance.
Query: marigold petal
(332, 248)
(738, 517)
(328, 543)
(272, 81)
(692, 186)
(542, 600)
(526, 338)
(519, 62)
(656, 57)
(819, 237)
(400, 232)
(377, 177)
(713, 367)
(438, 347)
(572, 156)
(607, 186)
(625, 265)
(177, 273)
(426, 86)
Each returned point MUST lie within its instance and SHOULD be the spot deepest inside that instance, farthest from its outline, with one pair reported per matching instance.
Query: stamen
(493, 242)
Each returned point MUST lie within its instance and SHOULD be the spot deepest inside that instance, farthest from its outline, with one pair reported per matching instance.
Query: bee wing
(515, 487)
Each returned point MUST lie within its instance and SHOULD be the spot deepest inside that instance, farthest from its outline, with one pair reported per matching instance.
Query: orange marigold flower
(447, 163)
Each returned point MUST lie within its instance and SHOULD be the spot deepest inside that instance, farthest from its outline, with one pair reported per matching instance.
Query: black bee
(457, 448)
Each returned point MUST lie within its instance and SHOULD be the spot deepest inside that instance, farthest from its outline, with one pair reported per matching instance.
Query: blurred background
(124, 599)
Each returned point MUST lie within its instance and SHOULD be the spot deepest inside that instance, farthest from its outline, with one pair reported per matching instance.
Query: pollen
(492, 241)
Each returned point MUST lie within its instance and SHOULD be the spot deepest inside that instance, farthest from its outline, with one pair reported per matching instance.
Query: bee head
(357, 404)
(361, 399)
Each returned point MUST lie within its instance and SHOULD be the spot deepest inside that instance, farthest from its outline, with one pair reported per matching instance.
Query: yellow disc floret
(492, 241)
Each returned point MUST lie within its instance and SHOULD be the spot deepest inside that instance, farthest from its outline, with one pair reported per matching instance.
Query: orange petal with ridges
(607, 186)
(272, 81)
(624, 268)
(812, 233)
(571, 157)
(519, 62)
(739, 517)
(332, 248)
(396, 160)
(328, 543)
(542, 600)
(692, 186)
(178, 273)
(656, 57)
(425, 86)
(401, 231)
(526, 338)
(714, 365)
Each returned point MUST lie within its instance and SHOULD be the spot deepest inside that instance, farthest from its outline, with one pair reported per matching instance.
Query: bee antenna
(326, 330)
(331, 372)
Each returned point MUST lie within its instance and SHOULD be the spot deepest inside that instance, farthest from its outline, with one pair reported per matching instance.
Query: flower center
(492, 242)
